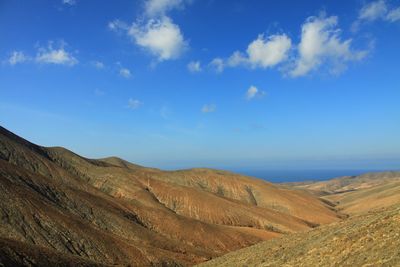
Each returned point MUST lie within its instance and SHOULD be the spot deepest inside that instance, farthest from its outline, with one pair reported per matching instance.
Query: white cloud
(218, 64)
(69, 2)
(45, 55)
(98, 65)
(268, 52)
(194, 66)
(236, 59)
(393, 15)
(208, 108)
(117, 25)
(253, 92)
(261, 53)
(125, 73)
(161, 37)
(321, 45)
(134, 103)
(378, 10)
(373, 10)
(58, 56)
(17, 57)
(156, 32)
(161, 7)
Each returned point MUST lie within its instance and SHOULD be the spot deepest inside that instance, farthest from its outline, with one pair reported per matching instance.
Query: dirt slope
(363, 200)
(357, 194)
(372, 239)
(16, 253)
(349, 183)
(110, 211)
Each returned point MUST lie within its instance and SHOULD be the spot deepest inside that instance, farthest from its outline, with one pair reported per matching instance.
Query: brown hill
(16, 253)
(363, 200)
(357, 194)
(371, 239)
(110, 211)
(349, 183)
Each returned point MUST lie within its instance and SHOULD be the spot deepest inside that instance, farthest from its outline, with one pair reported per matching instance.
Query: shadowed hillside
(109, 211)
(16, 253)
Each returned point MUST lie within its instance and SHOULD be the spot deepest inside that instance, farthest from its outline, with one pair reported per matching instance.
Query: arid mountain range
(60, 209)
(370, 236)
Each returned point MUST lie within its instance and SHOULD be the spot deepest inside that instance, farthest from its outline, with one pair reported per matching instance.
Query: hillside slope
(371, 239)
(349, 183)
(225, 187)
(363, 200)
(110, 211)
(16, 253)
(357, 194)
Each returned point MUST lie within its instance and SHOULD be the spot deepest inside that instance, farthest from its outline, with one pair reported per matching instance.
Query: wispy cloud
(155, 8)
(194, 66)
(69, 2)
(50, 54)
(218, 64)
(373, 10)
(126, 73)
(98, 65)
(253, 93)
(376, 10)
(118, 26)
(58, 56)
(134, 103)
(208, 108)
(17, 57)
(393, 15)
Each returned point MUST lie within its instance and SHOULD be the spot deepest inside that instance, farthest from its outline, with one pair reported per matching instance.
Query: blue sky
(202, 83)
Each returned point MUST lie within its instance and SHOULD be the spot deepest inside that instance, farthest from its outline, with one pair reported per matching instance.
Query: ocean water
(284, 176)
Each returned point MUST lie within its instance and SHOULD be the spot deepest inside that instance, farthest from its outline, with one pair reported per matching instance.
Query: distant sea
(284, 176)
